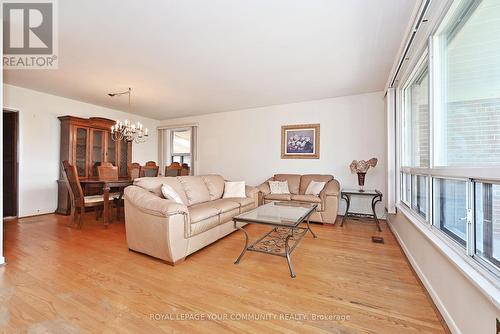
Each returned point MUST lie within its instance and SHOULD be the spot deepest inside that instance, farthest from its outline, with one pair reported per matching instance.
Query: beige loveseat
(328, 199)
(170, 231)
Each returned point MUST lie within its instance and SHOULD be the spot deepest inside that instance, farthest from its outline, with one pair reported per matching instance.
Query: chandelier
(128, 131)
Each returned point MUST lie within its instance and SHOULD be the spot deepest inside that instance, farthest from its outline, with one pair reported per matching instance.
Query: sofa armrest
(251, 192)
(332, 188)
(264, 187)
(152, 204)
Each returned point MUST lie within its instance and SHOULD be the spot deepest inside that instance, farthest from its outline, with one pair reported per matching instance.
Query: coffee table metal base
(280, 241)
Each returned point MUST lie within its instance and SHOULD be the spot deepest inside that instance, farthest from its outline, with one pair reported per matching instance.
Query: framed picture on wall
(300, 141)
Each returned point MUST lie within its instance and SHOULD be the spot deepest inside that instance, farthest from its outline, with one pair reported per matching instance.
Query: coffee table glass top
(288, 214)
(358, 192)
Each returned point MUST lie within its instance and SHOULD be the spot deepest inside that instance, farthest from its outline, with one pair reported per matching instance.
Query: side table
(374, 194)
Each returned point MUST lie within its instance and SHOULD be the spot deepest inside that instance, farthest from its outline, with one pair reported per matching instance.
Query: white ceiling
(189, 57)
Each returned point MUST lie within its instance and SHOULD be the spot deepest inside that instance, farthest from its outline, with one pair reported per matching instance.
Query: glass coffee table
(286, 234)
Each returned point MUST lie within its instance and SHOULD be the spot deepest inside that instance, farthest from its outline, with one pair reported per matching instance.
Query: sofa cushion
(278, 197)
(224, 217)
(307, 178)
(151, 184)
(199, 212)
(195, 189)
(292, 179)
(242, 201)
(223, 205)
(279, 187)
(308, 199)
(215, 185)
(204, 225)
(234, 189)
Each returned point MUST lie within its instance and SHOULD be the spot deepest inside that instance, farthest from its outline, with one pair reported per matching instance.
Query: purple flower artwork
(300, 141)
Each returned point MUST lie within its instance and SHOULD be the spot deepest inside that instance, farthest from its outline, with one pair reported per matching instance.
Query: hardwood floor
(62, 280)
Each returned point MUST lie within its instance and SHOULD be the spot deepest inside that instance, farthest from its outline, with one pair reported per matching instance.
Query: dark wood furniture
(105, 186)
(86, 143)
(134, 170)
(173, 169)
(376, 196)
(106, 171)
(185, 170)
(79, 202)
(176, 169)
(151, 169)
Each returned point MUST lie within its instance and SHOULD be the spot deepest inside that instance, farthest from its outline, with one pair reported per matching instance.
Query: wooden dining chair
(174, 169)
(78, 200)
(134, 170)
(151, 169)
(184, 170)
(106, 171)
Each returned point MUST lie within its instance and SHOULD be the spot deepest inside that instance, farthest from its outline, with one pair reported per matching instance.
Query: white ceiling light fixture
(128, 131)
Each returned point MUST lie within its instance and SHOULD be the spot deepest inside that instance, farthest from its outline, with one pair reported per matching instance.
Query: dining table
(105, 186)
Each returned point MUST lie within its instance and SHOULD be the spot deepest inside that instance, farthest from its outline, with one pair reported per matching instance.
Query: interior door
(10, 165)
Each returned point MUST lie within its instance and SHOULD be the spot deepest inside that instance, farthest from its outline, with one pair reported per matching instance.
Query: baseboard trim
(2, 260)
(452, 326)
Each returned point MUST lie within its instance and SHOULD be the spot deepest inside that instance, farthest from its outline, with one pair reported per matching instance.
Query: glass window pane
(468, 119)
(417, 119)
(487, 207)
(419, 195)
(406, 188)
(450, 208)
(181, 141)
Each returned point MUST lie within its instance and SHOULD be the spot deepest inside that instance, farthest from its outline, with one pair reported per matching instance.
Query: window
(468, 126)
(177, 145)
(450, 211)
(487, 205)
(180, 146)
(406, 188)
(419, 195)
(417, 120)
(450, 132)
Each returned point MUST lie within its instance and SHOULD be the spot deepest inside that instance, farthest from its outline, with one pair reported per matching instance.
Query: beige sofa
(170, 231)
(328, 199)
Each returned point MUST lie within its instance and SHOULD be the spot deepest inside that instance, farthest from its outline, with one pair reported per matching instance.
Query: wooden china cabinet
(86, 143)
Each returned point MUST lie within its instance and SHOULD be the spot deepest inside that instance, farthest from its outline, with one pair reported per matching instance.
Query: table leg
(246, 242)
(309, 228)
(348, 204)
(106, 205)
(287, 252)
(375, 200)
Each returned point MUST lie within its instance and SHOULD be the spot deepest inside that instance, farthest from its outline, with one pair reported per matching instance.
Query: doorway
(10, 163)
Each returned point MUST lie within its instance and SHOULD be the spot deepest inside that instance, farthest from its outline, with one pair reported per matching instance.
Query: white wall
(39, 134)
(464, 307)
(246, 144)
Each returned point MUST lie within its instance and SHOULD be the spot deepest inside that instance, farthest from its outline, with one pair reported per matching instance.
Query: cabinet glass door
(111, 155)
(81, 151)
(124, 152)
(97, 150)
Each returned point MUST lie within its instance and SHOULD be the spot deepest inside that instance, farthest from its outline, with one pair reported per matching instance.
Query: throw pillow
(314, 188)
(234, 189)
(279, 187)
(171, 194)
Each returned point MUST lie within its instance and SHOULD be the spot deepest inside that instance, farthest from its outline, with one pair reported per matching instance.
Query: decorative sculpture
(361, 167)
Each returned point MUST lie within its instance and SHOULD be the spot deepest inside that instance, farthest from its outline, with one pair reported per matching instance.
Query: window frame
(431, 59)
(181, 155)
